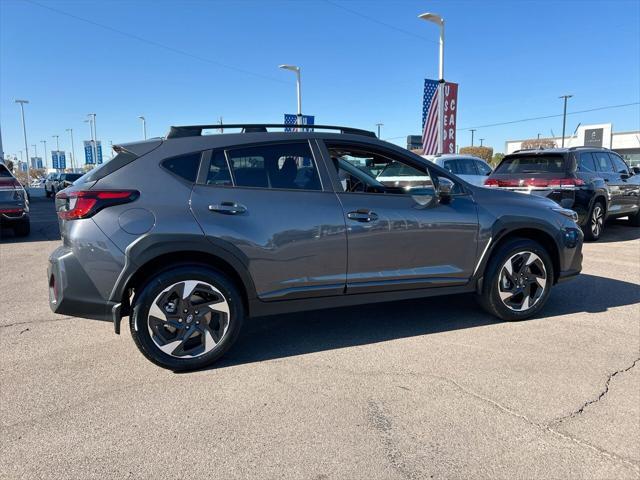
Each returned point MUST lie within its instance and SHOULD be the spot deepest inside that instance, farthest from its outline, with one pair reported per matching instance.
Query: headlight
(567, 213)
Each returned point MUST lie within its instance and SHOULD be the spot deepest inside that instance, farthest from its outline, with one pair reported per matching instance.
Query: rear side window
(603, 162)
(219, 170)
(466, 166)
(531, 164)
(185, 166)
(586, 163)
(483, 168)
(280, 166)
(619, 164)
(4, 172)
(451, 165)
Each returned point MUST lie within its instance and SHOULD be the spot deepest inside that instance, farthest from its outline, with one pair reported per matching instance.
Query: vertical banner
(88, 153)
(450, 117)
(54, 160)
(99, 151)
(430, 120)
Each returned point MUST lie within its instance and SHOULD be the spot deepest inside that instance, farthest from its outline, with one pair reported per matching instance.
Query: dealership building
(627, 144)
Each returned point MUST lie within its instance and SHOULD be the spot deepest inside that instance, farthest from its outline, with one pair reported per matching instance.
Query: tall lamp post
(73, 150)
(296, 69)
(24, 132)
(94, 136)
(564, 115)
(44, 142)
(57, 137)
(473, 130)
(35, 153)
(379, 125)
(144, 126)
(438, 20)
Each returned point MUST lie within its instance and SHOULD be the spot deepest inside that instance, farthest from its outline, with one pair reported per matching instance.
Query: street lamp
(144, 126)
(438, 20)
(94, 136)
(564, 116)
(379, 125)
(24, 131)
(296, 69)
(45, 153)
(73, 150)
(35, 153)
(473, 130)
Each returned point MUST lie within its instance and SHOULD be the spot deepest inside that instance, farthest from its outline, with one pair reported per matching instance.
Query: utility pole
(144, 126)
(379, 125)
(481, 140)
(472, 132)
(538, 136)
(564, 115)
(26, 148)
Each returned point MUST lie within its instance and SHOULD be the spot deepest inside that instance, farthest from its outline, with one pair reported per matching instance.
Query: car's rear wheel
(187, 317)
(517, 281)
(634, 220)
(595, 224)
(22, 229)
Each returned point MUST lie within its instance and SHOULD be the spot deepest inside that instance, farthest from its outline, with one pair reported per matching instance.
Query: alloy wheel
(188, 319)
(522, 281)
(597, 220)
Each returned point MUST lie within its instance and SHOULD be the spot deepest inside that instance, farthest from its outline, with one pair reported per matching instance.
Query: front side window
(619, 164)
(586, 162)
(603, 162)
(365, 170)
(281, 166)
(483, 168)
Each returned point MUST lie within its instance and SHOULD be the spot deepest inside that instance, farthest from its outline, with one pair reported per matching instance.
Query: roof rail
(196, 130)
(590, 148)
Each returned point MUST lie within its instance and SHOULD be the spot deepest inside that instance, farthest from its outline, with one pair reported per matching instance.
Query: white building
(626, 144)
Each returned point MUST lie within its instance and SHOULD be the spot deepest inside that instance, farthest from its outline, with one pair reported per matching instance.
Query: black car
(594, 182)
(66, 180)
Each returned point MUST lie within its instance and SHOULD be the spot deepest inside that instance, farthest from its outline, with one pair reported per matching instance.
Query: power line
(157, 44)
(374, 20)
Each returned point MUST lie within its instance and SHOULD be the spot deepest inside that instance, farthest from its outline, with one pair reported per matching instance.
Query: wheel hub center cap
(190, 318)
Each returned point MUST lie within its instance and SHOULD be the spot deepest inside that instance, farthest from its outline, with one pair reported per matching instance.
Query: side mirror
(445, 189)
(624, 176)
(635, 170)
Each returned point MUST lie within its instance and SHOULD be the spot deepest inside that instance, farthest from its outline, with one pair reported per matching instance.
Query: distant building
(626, 144)
(414, 142)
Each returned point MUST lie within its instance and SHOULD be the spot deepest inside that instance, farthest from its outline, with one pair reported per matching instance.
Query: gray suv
(189, 234)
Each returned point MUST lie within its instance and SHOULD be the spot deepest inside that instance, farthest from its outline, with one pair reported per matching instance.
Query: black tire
(490, 299)
(22, 229)
(139, 321)
(47, 193)
(634, 220)
(593, 228)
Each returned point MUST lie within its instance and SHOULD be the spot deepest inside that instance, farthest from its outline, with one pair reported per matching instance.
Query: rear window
(72, 177)
(531, 164)
(119, 161)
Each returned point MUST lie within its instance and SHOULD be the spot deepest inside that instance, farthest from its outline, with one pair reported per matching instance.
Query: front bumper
(71, 291)
(570, 254)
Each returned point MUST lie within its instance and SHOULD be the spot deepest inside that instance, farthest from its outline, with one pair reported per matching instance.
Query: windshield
(531, 164)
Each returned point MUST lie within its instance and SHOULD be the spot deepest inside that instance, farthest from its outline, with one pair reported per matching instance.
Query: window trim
(206, 164)
(612, 157)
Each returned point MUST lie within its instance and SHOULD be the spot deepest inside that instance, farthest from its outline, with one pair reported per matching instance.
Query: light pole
(438, 20)
(379, 125)
(296, 69)
(73, 150)
(35, 153)
(472, 132)
(564, 115)
(45, 153)
(144, 126)
(94, 137)
(57, 137)
(24, 132)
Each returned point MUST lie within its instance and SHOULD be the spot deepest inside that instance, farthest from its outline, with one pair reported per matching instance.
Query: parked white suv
(471, 169)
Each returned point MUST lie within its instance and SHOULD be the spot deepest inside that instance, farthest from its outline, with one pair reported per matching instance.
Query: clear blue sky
(511, 59)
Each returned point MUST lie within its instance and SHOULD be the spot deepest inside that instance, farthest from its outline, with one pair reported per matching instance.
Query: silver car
(471, 169)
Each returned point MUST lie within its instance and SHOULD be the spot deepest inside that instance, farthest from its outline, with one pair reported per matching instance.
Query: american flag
(430, 118)
(292, 119)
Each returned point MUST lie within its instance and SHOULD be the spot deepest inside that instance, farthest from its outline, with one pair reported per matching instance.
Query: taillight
(565, 182)
(85, 203)
(535, 182)
(491, 182)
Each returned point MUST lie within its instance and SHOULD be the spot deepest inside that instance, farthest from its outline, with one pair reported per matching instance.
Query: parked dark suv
(594, 182)
(189, 234)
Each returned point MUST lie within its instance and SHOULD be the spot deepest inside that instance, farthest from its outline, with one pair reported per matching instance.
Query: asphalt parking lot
(422, 389)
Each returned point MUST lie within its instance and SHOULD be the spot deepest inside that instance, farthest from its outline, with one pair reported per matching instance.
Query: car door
(401, 237)
(612, 180)
(268, 205)
(629, 185)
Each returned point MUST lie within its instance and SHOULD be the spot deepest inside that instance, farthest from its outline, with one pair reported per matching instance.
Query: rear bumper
(71, 291)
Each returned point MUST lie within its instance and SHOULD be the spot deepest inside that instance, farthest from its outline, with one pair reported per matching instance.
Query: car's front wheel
(517, 281)
(187, 317)
(595, 224)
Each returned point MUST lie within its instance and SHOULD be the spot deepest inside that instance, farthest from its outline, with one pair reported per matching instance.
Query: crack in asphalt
(604, 391)
(35, 321)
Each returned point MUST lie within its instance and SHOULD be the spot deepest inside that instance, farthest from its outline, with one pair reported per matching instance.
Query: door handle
(228, 208)
(362, 215)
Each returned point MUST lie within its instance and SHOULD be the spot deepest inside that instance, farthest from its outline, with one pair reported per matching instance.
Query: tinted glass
(219, 170)
(619, 164)
(185, 166)
(71, 177)
(483, 168)
(451, 165)
(586, 162)
(531, 164)
(120, 160)
(467, 166)
(603, 162)
(286, 166)
(4, 172)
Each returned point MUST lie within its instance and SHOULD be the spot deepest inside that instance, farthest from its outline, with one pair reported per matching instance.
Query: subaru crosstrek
(189, 234)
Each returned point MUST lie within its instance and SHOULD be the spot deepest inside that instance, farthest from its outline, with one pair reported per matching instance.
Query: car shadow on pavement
(288, 335)
(44, 224)
(619, 231)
